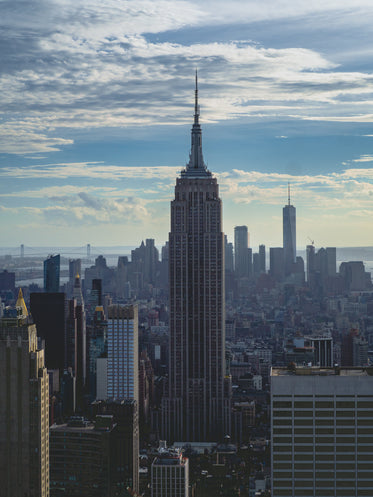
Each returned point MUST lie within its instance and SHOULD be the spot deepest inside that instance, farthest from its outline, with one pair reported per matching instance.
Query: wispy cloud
(91, 170)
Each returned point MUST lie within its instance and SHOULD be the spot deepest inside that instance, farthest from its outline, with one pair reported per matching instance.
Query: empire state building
(197, 402)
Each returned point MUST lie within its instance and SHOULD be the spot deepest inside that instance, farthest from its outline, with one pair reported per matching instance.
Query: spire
(288, 193)
(21, 303)
(196, 106)
(196, 165)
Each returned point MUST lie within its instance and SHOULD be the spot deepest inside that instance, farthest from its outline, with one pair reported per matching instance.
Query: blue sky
(97, 104)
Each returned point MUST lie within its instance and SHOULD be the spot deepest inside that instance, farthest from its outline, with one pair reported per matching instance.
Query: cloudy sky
(97, 103)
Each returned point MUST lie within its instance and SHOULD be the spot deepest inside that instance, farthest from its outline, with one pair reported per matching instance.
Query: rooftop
(317, 371)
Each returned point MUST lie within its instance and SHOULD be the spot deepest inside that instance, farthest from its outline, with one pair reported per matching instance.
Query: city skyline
(96, 109)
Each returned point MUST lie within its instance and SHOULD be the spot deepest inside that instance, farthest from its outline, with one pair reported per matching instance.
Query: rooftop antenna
(196, 106)
(289, 193)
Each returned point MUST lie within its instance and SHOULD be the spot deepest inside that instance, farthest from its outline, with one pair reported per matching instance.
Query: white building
(122, 363)
(322, 432)
(170, 474)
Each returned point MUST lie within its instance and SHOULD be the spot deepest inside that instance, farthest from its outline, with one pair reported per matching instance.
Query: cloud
(86, 209)
(364, 158)
(93, 170)
(89, 65)
(349, 189)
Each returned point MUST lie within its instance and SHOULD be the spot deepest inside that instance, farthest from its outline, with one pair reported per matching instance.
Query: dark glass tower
(289, 235)
(197, 406)
(52, 274)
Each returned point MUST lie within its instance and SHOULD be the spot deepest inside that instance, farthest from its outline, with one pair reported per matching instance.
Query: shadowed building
(48, 311)
(24, 415)
(197, 404)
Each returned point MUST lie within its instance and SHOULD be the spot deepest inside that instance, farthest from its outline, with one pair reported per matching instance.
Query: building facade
(24, 404)
(197, 404)
(322, 432)
(122, 365)
(170, 474)
(80, 457)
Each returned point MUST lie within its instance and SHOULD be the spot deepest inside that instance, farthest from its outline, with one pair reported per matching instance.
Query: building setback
(197, 404)
(322, 432)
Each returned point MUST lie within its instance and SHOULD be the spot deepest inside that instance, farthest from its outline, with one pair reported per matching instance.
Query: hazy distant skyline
(97, 105)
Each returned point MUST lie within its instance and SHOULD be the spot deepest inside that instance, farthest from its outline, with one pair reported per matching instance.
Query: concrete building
(24, 414)
(322, 432)
(170, 474)
(122, 365)
(197, 404)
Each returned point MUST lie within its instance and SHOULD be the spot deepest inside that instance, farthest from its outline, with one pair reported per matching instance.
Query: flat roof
(318, 371)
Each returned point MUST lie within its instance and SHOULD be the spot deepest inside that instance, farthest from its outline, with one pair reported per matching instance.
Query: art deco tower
(289, 235)
(197, 405)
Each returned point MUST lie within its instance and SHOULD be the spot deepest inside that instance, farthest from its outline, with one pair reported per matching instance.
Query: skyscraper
(52, 274)
(123, 369)
(24, 415)
(241, 254)
(321, 432)
(289, 235)
(197, 406)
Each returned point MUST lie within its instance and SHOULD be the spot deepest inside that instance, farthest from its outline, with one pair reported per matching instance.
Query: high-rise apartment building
(197, 404)
(289, 236)
(170, 474)
(322, 432)
(52, 274)
(122, 365)
(241, 254)
(24, 401)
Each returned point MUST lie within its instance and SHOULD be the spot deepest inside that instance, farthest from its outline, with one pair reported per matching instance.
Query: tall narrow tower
(197, 405)
(289, 235)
